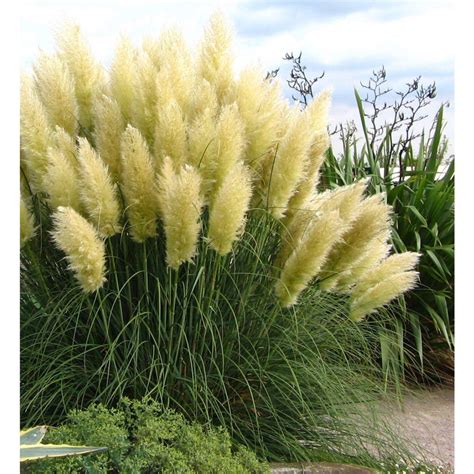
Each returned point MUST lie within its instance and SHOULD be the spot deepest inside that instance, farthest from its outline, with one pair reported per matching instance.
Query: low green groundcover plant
(144, 437)
(171, 227)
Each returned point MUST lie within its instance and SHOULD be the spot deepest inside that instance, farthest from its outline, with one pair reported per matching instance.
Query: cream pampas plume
(372, 225)
(176, 68)
(306, 189)
(260, 107)
(27, 224)
(318, 110)
(346, 200)
(201, 142)
(84, 250)
(98, 194)
(203, 97)
(144, 105)
(138, 185)
(378, 251)
(395, 264)
(109, 126)
(388, 287)
(66, 144)
(215, 61)
(309, 256)
(35, 133)
(56, 88)
(230, 204)
(170, 133)
(229, 144)
(88, 76)
(317, 113)
(61, 182)
(123, 77)
(286, 168)
(180, 208)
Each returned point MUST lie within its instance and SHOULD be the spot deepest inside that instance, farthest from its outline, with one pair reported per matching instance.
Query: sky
(347, 39)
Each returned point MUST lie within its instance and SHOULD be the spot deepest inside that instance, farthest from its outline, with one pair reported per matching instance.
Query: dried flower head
(98, 194)
(84, 250)
(229, 207)
(139, 185)
(180, 203)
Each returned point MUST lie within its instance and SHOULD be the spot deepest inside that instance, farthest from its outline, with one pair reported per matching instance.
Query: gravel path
(427, 418)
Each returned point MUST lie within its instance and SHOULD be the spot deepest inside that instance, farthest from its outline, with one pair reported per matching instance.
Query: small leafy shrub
(142, 437)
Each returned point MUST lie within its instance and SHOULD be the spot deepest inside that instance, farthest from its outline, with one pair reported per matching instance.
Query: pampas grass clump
(183, 202)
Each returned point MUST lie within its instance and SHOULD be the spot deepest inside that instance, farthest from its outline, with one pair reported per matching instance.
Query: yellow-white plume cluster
(166, 141)
(84, 250)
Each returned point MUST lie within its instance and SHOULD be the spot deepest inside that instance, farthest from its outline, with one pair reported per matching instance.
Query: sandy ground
(428, 420)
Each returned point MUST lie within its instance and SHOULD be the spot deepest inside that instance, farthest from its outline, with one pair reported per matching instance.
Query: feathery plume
(227, 214)
(306, 261)
(109, 126)
(61, 182)
(63, 142)
(180, 203)
(98, 194)
(202, 142)
(287, 168)
(382, 293)
(346, 200)
(88, 76)
(229, 143)
(138, 185)
(393, 265)
(27, 224)
(84, 250)
(372, 224)
(35, 133)
(123, 77)
(176, 69)
(170, 133)
(260, 107)
(144, 104)
(378, 251)
(56, 89)
(307, 188)
(318, 110)
(215, 61)
(202, 97)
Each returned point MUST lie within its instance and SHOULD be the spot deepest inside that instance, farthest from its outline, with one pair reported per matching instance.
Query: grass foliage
(208, 340)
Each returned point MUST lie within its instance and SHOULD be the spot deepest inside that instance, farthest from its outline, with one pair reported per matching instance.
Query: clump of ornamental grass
(170, 224)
